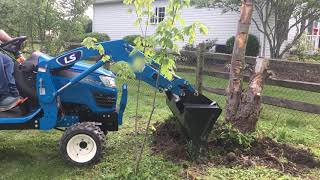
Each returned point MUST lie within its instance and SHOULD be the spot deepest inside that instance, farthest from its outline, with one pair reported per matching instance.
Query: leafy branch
(156, 46)
(91, 43)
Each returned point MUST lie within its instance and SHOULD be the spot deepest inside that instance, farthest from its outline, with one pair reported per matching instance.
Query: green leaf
(203, 29)
(138, 64)
(182, 22)
(105, 58)
(90, 43)
(123, 70)
(169, 43)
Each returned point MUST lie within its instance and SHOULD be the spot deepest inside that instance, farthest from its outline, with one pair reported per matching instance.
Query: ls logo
(69, 58)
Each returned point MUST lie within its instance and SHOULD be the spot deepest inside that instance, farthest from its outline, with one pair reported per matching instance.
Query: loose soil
(172, 144)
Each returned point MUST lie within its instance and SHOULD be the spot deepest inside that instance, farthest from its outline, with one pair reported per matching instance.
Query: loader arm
(120, 51)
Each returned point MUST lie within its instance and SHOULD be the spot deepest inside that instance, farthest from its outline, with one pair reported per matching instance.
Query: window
(159, 14)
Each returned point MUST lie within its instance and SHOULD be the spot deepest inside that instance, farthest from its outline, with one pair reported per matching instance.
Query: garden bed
(169, 142)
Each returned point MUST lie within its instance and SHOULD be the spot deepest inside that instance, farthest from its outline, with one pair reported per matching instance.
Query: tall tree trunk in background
(243, 107)
(200, 64)
(234, 90)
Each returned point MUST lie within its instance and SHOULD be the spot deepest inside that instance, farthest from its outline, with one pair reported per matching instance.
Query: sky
(89, 12)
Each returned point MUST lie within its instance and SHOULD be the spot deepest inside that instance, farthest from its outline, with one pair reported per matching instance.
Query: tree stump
(250, 104)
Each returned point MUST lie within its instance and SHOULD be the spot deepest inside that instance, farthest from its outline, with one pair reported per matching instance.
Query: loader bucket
(196, 115)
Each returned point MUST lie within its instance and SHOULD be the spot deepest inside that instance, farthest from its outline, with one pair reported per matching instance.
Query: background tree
(50, 23)
(243, 106)
(273, 18)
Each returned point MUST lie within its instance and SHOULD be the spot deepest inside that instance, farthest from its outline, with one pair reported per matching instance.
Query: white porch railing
(313, 43)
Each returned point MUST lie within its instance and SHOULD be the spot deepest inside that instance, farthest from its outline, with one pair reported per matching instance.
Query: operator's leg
(9, 68)
(9, 96)
(4, 84)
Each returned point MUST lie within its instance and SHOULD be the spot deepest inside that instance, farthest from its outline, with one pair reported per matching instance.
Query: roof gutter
(106, 1)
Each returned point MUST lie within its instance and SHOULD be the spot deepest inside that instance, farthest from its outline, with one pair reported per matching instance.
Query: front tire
(82, 144)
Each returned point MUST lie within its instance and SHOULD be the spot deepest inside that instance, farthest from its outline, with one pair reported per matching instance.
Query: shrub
(189, 47)
(302, 46)
(221, 49)
(209, 44)
(253, 45)
(130, 39)
(99, 36)
(229, 138)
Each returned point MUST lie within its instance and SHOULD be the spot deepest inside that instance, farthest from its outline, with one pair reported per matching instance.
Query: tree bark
(199, 70)
(250, 105)
(234, 90)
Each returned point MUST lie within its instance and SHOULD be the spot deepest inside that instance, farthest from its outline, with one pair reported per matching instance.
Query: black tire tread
(93, 130)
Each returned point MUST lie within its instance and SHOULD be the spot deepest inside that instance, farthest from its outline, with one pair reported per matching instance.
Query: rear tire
(82, 144)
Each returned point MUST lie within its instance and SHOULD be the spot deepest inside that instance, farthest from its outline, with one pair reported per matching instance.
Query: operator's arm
(4, 37)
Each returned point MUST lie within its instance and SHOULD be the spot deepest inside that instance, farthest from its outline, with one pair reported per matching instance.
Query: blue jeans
(7, 83)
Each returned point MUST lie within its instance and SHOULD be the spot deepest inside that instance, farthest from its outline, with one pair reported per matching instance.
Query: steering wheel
(15, 45)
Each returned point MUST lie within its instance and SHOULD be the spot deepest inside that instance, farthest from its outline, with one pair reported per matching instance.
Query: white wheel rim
(81, 148)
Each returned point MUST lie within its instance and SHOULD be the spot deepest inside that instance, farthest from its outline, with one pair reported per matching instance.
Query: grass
(269, 90)
(34, 154)
(286, 124)
(247, 174)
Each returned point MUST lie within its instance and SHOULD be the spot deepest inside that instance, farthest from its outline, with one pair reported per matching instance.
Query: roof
(106, 1)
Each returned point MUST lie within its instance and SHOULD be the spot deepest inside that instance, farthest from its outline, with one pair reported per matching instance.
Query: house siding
(105, 1)
(114, 19)
(221, 25)
(291, 35)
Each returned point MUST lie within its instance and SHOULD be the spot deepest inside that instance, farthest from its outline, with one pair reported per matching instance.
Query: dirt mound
(169, 142)
(282, 156)
(267, 152)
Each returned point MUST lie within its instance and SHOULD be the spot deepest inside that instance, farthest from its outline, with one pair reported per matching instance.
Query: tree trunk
(243, 107)
(199, 70)
(250, 105)
(234, 90)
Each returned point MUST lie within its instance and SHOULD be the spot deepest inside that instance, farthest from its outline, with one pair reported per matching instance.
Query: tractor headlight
(108, 81)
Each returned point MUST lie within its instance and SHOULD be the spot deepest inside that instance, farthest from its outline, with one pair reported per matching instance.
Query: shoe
(9, 103)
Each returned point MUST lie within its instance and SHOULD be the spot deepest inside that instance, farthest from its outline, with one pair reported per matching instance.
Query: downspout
(264, 36)
(93, 29)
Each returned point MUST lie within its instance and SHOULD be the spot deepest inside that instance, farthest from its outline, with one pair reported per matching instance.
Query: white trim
(106, 1)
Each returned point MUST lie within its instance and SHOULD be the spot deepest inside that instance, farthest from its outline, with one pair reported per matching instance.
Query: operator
(9, 94)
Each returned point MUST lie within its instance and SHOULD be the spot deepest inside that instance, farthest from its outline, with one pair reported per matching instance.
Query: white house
(113, 17)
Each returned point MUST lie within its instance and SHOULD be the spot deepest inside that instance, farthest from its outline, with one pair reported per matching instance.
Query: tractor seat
(25, 77)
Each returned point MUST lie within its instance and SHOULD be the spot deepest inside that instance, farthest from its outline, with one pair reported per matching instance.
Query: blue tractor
(81, 99)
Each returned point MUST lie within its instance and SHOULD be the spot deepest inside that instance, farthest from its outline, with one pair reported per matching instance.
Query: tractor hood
(81, 66)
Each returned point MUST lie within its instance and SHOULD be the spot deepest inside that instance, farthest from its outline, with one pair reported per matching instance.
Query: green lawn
(274, 91)
(34, 154)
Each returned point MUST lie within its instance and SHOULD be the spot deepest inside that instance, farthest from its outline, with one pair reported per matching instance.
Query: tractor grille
(105, 100)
